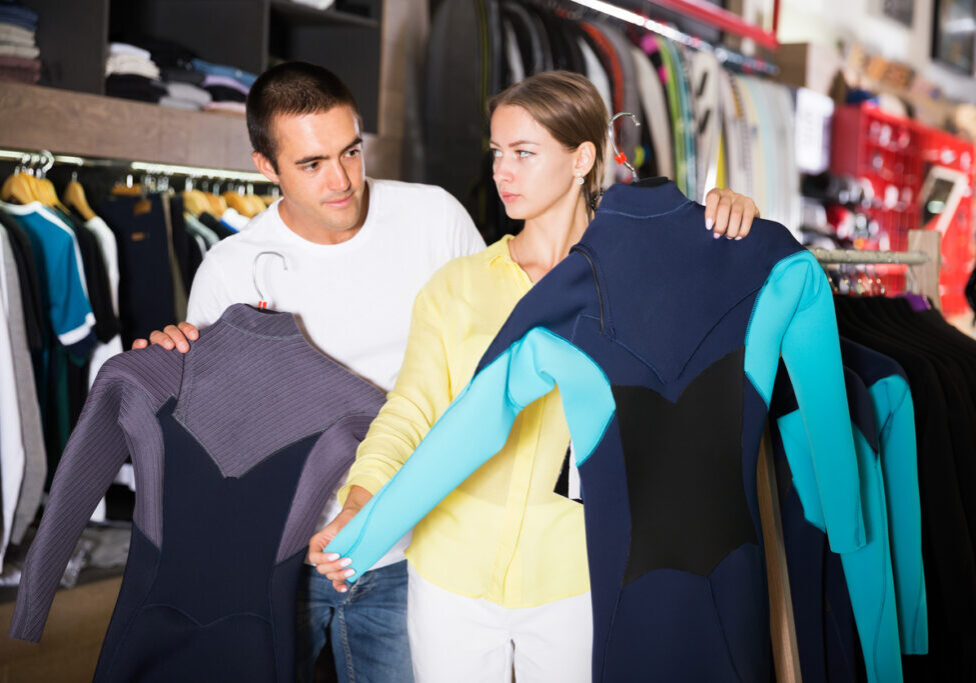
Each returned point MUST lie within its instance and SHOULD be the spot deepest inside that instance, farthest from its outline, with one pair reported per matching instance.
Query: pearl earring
(579, 180)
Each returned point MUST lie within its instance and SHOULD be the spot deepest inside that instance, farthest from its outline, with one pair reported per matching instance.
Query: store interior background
(67, 114)
(829, 21)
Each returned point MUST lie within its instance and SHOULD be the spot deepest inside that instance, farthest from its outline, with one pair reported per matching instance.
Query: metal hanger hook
(262, 301)
(48, 160)
(618, 156)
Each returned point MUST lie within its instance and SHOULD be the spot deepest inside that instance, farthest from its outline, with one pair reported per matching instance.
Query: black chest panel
(688, 508)
(205, 606)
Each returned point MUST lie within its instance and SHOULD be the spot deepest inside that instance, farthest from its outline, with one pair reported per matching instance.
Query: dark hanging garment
(665, 380)
(146, 297)
(236, 446)
(458, 82)
(214, 224)
(559, 42)
(187, 253)
(889, 489)
(826, 639)
(30, 287)
(529, 43)
(535, 14)
(96, 279)
(946, 491)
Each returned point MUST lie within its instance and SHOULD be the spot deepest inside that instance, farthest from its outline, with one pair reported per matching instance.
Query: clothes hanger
(878, 282)
(46, 191)
(194, 201)
(832, 276)
(273, 195)
(74, 196)
(256, 202)
(217, 203)
(621, 157)
(17, 188)
(126, 188)
(238, 203)
(262, 301)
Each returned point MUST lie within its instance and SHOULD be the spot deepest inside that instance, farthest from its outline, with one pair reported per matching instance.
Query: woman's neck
(545, 240)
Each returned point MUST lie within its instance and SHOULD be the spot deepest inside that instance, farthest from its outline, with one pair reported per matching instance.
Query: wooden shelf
(33, 117)
(297, 12)
(64, 122)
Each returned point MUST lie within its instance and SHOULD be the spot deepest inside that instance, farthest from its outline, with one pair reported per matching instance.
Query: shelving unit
(370, 48)
(34, 118)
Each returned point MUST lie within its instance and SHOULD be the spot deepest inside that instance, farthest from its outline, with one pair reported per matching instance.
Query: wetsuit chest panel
(688, 509)
(213, 579)
(221, 534)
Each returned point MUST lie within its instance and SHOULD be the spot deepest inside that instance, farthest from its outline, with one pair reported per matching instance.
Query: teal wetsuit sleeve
(794, 318)
(797, 450)
(870, 577)
(867, 570)
(473, 429)
(895, 414)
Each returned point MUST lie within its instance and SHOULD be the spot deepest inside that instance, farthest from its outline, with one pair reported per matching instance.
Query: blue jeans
(366, 626)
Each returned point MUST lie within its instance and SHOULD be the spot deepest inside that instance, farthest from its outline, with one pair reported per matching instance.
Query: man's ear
(264, 166)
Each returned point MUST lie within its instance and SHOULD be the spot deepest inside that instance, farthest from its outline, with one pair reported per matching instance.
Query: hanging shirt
(96, 278)
(197, 228)
(665, 378)
(32, 438)
(868, 570)
(65, 295)
(236, 446)
(147, 295)
(110, 255)
(894, 412)
(30, 282)
(504, 535)
(12, 455)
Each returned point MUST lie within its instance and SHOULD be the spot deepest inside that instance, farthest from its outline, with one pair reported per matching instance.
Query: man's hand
(730, 213)
(333, 567)
(172, 337)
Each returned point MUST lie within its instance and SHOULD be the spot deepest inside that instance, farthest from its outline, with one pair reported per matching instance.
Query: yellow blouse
(504, 534)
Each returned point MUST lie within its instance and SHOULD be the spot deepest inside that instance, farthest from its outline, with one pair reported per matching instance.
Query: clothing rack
(923, 259)
(722, 54)
(148, 168)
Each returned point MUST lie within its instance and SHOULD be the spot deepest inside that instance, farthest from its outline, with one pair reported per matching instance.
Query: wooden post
(786, 656)
(927, 274)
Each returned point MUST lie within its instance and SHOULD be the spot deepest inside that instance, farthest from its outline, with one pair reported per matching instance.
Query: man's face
(320, 172)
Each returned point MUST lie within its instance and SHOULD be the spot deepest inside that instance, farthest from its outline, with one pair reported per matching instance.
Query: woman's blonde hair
(571, 109)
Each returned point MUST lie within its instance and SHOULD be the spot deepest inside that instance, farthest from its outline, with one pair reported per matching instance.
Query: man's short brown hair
(291, 88)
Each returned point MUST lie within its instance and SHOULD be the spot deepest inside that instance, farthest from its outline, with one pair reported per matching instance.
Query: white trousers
(455, 638)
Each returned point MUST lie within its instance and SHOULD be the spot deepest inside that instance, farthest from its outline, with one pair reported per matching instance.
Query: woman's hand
(729, 213)
(333, 567)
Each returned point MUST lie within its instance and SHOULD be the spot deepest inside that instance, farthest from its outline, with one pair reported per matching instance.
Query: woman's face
(531, 169)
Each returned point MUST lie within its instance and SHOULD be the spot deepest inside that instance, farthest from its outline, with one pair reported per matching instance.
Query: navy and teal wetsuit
(664, 343)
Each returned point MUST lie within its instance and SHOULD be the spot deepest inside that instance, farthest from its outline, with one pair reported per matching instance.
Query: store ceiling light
(640, 20)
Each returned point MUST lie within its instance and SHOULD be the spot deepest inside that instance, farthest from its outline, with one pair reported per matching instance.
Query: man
(347, 255)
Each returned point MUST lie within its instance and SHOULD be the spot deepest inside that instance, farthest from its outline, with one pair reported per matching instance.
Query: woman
(498, 570)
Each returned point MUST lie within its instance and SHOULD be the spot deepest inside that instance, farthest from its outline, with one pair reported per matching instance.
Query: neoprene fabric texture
(938, 361)
(625, 310)
(236, 447)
